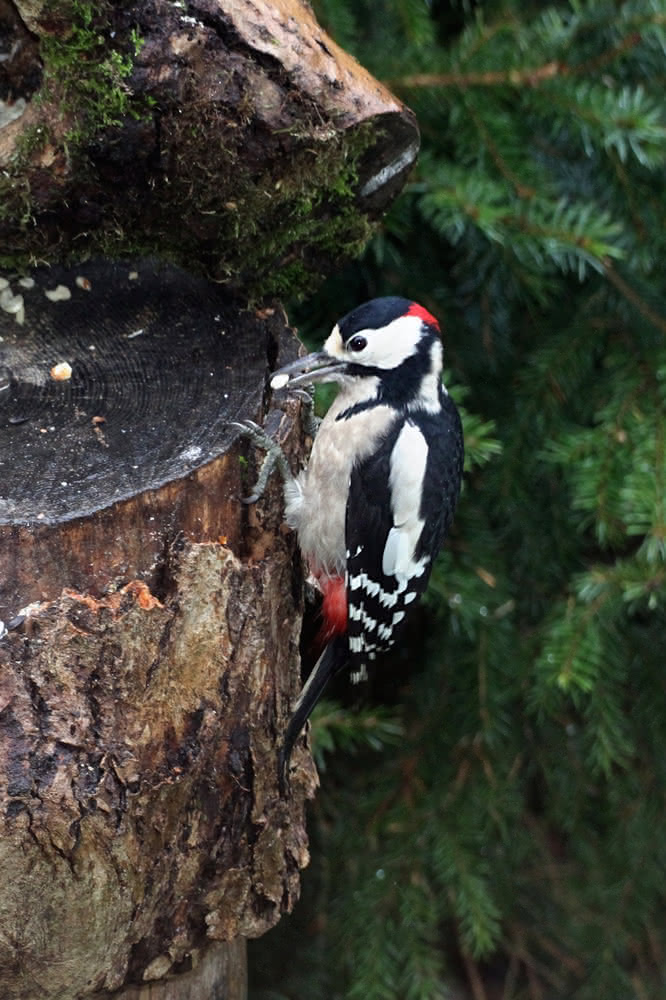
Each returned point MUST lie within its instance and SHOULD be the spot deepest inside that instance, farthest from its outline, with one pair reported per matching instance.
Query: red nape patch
(416, 310)
(334, 608)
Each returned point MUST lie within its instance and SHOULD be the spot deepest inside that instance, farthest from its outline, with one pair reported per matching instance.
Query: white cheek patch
(407, 472)
(387, 347)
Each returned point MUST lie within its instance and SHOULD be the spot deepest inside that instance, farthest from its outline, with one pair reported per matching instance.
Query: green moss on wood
(89, 78)
(262, 228)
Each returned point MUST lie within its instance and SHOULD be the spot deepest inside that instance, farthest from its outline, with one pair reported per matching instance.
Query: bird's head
(392, 340)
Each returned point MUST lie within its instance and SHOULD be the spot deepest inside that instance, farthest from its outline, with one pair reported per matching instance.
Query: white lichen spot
(58, 294)
(191, 454)
(279, 381)
(9, 112)
(157, 968)
(31, 609)
(12, 304)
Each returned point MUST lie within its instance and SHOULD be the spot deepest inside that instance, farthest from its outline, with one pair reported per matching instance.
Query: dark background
(491, 822)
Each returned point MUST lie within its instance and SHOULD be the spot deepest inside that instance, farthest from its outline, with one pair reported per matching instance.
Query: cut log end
(118, 383)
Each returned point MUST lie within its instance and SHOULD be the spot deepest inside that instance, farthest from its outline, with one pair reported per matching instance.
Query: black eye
(357, 343)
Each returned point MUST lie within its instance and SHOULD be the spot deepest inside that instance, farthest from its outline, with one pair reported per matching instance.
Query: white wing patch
(376, 608)
(407, 472)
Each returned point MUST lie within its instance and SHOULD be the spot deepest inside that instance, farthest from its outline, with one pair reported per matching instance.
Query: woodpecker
(377, 497)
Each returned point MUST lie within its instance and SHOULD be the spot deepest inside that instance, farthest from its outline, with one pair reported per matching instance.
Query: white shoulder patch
(407, 472)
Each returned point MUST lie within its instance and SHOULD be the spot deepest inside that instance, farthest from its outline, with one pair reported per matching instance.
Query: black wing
(378, 603)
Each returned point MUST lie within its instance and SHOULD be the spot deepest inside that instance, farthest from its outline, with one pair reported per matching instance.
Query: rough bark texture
(140, 810)
(140, 713)
(232, 135)
(220, 973)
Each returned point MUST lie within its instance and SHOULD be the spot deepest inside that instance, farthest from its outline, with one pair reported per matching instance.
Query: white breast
(316, 502)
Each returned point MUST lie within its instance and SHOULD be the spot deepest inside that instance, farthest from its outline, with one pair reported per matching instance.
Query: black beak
(317, 367)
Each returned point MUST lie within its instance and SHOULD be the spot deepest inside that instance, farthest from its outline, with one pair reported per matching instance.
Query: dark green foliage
(513, 843)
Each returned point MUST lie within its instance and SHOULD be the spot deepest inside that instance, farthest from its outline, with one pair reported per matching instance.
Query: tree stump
(148, 676)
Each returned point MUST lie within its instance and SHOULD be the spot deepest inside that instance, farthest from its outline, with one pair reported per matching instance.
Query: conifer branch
(522, 190)
(531, 76)
(534, 728)
(474, 977)
(632, 296)
(593, 66)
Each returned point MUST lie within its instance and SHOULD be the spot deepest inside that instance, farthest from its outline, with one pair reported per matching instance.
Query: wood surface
(145, 688)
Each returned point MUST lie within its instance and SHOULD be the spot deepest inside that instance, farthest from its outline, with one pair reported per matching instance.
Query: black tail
(334, 658)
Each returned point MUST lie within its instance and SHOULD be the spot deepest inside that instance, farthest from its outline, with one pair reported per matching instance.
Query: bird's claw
(250, 428)
(275, 457)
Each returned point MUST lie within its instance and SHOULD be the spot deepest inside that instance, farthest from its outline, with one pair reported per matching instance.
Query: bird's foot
(275, 457)
(307, 397)
(310, 420)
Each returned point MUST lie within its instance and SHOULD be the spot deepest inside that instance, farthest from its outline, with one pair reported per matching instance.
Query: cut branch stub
(236, 138)
(143, 695)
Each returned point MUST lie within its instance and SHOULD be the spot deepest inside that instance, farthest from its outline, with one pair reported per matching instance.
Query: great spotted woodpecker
(377, 497)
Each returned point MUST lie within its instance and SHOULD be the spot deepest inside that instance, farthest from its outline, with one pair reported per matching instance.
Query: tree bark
(221, 972)
(147, 678)
(231, 136)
